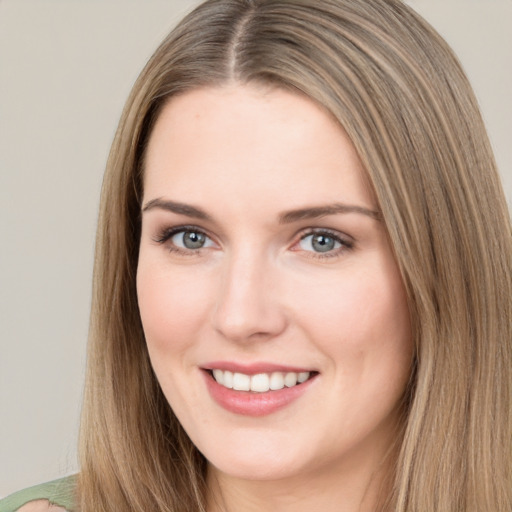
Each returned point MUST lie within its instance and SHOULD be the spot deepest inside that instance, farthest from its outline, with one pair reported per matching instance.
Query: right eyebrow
(175, 207)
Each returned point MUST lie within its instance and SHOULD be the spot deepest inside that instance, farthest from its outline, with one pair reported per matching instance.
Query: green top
(59, 492)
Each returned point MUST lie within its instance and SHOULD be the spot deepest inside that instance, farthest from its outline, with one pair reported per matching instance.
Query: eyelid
(165, 234)
(338, 235)
(347, 242)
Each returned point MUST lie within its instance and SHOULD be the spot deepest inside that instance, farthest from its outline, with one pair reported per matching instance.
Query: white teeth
(290, 379)
(228, 379)
(302, 377)
(241, 382)
(261, 382)
(277, 381)
(218, 376)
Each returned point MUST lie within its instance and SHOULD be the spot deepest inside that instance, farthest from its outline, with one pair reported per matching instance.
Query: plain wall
(66, 67)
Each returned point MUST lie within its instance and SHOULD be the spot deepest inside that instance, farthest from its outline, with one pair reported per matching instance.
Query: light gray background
(66, 67)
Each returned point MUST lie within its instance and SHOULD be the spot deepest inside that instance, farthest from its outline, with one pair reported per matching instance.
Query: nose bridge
(247, 303)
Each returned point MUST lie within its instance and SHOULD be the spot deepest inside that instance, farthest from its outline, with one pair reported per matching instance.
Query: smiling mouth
(260, 382)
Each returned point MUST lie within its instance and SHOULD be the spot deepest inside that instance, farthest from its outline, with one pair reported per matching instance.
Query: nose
(248, 304)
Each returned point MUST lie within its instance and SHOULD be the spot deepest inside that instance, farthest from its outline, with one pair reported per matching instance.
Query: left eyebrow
(315, 212)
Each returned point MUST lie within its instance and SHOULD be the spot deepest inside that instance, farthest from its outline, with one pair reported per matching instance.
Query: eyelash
(167, 233)
(346, 244)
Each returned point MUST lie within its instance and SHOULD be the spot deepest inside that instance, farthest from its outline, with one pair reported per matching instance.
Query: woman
(302, 291)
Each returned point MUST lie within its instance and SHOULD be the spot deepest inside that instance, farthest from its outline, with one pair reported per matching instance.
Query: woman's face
(273, 309)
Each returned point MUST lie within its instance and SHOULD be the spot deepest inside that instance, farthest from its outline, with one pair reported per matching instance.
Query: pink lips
(249, 403)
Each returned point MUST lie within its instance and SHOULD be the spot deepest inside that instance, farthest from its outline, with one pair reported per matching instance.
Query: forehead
(242, 140)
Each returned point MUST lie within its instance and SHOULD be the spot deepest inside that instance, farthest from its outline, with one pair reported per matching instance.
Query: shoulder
(40, 506)
(55, 496)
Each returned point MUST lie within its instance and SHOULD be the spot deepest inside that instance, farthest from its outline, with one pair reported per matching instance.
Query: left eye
(319, 242)
(189, 239)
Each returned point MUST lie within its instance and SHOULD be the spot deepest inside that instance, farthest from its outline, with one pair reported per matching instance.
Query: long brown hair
(402, 97)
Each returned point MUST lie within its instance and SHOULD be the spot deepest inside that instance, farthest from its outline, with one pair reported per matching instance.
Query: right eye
(190, 239)
(184, 240)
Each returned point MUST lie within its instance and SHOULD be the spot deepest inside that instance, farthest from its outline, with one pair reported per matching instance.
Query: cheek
(171, 307)
(361, 323)
(382, 333)
(359, 306)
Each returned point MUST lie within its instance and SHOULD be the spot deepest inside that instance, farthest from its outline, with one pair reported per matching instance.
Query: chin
(258, 461)
(256, 470)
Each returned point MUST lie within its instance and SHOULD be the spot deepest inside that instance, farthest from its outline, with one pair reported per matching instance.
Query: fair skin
(40, 506)
(262, 253)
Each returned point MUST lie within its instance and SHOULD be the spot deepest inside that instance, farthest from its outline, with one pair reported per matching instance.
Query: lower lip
(249, 403)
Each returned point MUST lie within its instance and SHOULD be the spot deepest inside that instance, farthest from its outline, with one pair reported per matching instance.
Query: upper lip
(254, 368)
